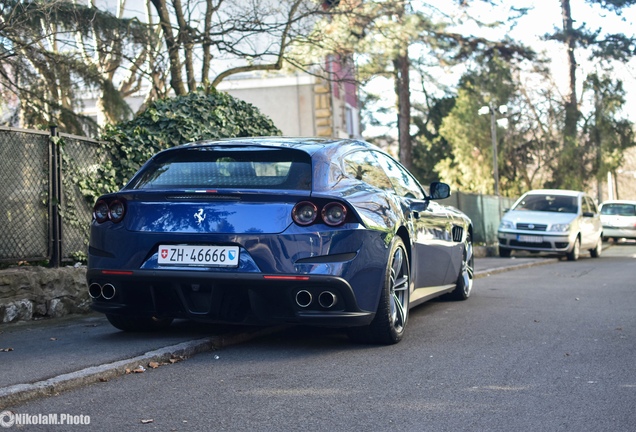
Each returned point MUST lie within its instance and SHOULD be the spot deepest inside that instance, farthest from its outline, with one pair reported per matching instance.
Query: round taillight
(304, 213)
(334, 214)
(117, 211)
(100, 211)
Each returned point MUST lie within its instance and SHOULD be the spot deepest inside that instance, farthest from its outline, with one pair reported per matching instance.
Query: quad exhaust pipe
(106, 291)
(326, 299)
(303, 298)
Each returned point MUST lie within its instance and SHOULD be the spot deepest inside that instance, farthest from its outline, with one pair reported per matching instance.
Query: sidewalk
(41, 358)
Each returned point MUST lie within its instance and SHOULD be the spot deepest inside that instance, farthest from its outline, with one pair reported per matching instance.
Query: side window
(585, 205)
(362, 165)
(403, 182)
(591, 205)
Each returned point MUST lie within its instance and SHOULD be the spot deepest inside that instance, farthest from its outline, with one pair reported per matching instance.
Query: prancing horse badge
(199, 216)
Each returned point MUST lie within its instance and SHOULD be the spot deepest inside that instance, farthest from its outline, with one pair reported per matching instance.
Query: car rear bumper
(236, 298)
(619, 232)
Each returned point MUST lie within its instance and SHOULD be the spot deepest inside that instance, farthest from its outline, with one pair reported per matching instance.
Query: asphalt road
(548, 348)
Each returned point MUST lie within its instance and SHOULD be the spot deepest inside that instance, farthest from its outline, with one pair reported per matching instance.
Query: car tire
(504, 252)
(390, 320)
(138, 323)
(574, 254)
(596, 252)
(464, 284)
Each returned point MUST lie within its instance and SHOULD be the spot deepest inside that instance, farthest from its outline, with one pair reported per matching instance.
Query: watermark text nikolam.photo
(9, 418)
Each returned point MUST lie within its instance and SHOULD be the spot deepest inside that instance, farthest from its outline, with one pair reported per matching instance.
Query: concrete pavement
(42, 358)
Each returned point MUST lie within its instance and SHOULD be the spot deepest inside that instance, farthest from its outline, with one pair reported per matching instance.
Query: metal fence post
(55, 200)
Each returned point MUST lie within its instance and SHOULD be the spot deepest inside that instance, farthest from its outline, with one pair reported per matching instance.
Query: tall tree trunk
(403, 92)
(401, 65)
(176, 79)
(569, 173)
(185, 40)
(571, 105)
(207, 56)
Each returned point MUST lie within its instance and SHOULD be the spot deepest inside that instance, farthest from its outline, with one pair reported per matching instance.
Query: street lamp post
(490, 109)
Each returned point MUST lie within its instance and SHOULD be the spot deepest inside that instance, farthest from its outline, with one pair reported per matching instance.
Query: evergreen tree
(54, 53)
(570, 172)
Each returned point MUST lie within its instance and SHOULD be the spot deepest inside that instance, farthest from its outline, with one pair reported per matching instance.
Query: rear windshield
(249, 168)
(619, 209)
(548, 203)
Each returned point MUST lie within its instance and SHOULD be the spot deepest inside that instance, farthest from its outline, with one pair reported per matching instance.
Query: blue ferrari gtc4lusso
(312, 231)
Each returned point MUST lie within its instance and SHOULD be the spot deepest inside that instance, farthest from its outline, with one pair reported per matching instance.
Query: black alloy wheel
(464, 285)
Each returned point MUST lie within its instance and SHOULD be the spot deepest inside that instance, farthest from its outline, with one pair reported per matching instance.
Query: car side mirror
(439, 190)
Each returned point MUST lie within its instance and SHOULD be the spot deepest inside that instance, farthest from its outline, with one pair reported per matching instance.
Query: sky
(546, 15)
(543, 17)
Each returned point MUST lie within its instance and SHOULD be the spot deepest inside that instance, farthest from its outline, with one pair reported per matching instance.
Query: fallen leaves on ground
(154, 364)
(138, 369)
(146, 421)
(172, 360)
(6, 349)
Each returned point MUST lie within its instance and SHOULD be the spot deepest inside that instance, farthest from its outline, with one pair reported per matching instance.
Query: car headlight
(561, 227)
(504, 224)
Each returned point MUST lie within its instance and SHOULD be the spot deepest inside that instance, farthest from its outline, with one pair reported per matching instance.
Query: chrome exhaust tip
(108, 291)
(327, 299)
(303, 298)
(95, 291)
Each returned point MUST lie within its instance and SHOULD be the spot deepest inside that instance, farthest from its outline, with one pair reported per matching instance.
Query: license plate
(210, 256)
(530, 239)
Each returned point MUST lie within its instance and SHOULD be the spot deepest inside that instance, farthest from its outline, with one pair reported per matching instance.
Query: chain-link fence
(24, 183)
(44, 213)
(80, 159)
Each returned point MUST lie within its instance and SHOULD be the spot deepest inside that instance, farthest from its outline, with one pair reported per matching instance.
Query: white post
(493, 135)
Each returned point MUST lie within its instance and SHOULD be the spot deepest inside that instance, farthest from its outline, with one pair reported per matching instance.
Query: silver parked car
(619, 219)
(552, 220)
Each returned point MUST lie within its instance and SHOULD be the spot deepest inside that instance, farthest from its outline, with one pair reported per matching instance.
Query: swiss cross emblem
(164, 253)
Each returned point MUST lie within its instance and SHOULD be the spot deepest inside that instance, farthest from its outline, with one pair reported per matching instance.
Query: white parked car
(552, 220)
(619, 219)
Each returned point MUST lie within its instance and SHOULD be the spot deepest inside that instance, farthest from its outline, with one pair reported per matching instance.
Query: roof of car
(324, 152)
(565, 192)
(308, 144)
(619, 202)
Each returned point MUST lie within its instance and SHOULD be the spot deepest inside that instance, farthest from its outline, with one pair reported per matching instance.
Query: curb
(21, 393)
(496, 270)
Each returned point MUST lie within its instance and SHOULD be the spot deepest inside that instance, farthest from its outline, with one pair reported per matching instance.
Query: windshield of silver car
(548, 203)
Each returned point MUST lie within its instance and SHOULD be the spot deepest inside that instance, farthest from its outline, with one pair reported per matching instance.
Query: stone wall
(37, 292)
